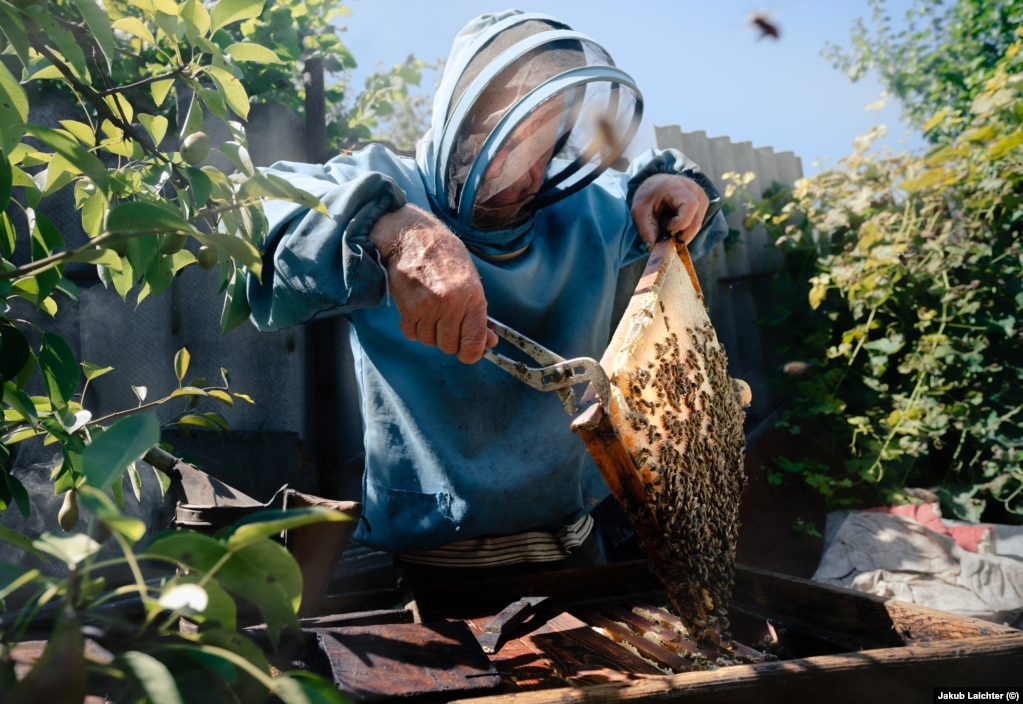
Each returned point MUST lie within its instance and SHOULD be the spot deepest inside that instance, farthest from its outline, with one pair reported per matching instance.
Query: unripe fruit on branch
(67, 516)
(195, 149)
(206, 257)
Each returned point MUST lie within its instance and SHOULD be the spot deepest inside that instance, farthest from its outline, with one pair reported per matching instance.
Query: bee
(765, 25)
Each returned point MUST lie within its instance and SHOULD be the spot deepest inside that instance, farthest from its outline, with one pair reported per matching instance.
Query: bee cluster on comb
(688, 448)
(680, 418)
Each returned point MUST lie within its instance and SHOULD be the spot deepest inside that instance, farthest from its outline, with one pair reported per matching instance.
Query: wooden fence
(737, 279)
(305, 423)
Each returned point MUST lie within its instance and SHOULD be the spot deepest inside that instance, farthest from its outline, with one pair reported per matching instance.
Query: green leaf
(135, 480)
(236, 659)
(21, 410)
(141, 217)
(231, 89)
(272, 186)
(222, 396)
(60, 369)
(6, 180)
(103, 509)
(181, 360)
(93, 371)
(73, 548)
(15, 352)
(99, 256)
(70, 289)
(21, 542)
(136, 28)
(8, 237)
(303, 687)
(242, 251)
(159, 90)
(266, 574)
(17, 490)
(262, 572)
(227, 11)
(201, 185)
(214, 102)
(64, 654)
(239, 156)
(94, 211)
(13, 110)
(46, 238)
(156, 126)
(199, 421)
(187, 391)
(236, 305)
(192, 551)
(155, 679)
(267, 524)
(193, 118)
(167, 20)
(98, 22)
(14, 577)
(187, 598)
(220, 610)
(79, 157)
(255, 53)
(161, 271)
(106, 457)
(197, 19)
(59, 173)
(1005, 145)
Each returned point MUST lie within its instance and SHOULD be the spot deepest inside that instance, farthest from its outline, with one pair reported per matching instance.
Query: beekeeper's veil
(527, 113)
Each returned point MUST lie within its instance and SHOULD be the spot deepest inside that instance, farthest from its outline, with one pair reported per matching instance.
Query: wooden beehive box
(605, 636)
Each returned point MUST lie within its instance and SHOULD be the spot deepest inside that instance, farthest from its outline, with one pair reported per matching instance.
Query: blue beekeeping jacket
(456, 451)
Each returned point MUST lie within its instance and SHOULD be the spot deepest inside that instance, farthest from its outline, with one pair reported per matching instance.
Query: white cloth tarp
(893, 556)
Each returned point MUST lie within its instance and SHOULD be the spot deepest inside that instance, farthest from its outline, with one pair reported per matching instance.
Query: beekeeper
(508, 210)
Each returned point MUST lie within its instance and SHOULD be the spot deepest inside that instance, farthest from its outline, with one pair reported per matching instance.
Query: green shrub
(912, 268)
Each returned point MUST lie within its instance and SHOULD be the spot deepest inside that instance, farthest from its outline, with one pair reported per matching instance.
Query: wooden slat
(585, 658)
(649, 649)
(670, 636)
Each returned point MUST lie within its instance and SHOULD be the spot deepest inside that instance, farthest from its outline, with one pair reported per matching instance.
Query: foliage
(303, 31)
(939, 54)
(136, 79)
(912, 268)
(150, 657)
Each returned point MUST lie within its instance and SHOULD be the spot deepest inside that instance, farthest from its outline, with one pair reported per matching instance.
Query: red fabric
(966, 537)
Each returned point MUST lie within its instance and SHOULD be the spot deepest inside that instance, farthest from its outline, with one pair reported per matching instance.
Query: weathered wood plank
(374, 663)
(523, 668)
(907, 675)
(583, 657)
(917, 624)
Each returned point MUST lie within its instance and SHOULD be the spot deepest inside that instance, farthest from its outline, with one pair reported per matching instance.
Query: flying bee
(764, 24)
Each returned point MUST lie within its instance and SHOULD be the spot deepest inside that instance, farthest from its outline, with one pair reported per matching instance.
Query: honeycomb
(680, 418)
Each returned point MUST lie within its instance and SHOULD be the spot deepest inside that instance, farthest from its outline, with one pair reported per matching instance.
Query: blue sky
(699, 64)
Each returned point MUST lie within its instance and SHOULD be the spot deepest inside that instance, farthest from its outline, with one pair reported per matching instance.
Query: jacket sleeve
(314, 265)
(672, 161)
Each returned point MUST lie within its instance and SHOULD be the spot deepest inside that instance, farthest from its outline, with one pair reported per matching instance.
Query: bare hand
(434, 284)
(669, 203)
